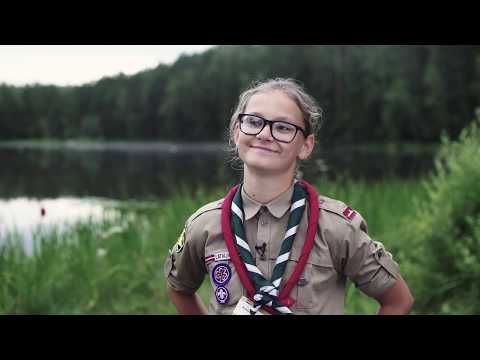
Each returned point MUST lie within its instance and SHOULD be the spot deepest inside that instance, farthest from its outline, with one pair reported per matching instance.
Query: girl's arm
(187, 304)
(396, 300)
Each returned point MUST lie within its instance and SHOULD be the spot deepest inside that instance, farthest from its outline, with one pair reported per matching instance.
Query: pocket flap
(315, 258)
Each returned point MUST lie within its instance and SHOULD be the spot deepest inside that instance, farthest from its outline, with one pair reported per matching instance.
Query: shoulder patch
(180, 244)
(349, 213)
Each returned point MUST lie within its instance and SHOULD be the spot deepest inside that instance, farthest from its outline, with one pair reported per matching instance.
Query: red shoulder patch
(349, 213)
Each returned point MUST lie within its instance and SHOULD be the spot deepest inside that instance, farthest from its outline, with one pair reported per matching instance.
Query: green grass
(116, 267)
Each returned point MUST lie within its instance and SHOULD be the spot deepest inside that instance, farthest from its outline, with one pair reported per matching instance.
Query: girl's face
(262, 152)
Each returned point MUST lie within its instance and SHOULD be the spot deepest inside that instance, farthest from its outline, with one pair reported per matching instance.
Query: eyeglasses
(281, 131)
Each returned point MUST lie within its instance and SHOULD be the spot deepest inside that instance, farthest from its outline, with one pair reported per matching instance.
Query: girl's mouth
(264, 149)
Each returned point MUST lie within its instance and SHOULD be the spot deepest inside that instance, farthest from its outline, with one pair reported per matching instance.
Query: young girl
(273, 245)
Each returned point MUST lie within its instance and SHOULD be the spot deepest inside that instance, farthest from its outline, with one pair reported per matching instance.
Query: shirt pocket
(315, 280)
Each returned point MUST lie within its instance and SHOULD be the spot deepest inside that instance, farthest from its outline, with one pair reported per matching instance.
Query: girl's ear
(307, 147)
(236, 133)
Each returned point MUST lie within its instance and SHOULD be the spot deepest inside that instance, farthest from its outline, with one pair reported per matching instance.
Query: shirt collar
(277, 207)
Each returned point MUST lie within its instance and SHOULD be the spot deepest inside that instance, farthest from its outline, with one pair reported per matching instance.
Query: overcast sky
(79, 64)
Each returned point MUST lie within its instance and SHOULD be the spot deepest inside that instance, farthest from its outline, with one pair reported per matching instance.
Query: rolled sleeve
(184, 267)
(367, 263)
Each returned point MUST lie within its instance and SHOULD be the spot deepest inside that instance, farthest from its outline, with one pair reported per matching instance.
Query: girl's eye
(253, 121)
(285, 128)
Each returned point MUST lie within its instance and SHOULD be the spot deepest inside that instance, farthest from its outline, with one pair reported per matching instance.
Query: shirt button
(302, 282)
(264, 222)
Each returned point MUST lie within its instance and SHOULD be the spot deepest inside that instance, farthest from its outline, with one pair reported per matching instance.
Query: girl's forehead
(274, 103)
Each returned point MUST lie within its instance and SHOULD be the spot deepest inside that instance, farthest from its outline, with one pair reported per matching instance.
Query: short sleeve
(184, 267)
(366, 262)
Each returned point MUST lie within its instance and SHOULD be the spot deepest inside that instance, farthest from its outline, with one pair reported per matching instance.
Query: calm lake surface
(46, 184)
(153, 170)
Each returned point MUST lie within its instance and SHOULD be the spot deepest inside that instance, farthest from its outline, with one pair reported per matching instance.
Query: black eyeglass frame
(270, 123)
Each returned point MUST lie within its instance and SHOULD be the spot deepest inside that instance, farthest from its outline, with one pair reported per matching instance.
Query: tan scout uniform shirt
(342, 249)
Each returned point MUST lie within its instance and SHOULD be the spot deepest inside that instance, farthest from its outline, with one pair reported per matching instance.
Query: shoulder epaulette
(214, 205)
(337, 207)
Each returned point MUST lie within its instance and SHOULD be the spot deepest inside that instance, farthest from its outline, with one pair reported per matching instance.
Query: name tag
(244, 306)
(222, 256)
(219, 256)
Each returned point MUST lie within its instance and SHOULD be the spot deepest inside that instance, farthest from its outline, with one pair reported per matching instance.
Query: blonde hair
(311, 111)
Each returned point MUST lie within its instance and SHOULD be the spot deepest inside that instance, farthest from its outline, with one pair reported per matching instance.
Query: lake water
(154, 170)
(71, 180)
(24, 216)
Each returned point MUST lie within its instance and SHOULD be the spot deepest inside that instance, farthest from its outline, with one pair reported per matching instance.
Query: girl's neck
(266, 187)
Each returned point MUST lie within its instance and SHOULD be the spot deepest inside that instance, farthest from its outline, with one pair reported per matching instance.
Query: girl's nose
(266, 133)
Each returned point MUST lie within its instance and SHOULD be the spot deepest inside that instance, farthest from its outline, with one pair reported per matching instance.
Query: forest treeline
(369, 93)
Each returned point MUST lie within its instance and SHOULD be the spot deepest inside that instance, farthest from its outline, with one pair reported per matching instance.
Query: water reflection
(111, 174)
(152, 171)
(26, 216)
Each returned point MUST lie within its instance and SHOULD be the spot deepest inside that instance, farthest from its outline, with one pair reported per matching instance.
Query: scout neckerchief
(264, 292)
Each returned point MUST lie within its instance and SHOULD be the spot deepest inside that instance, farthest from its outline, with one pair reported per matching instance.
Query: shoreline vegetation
(142, 145)
(114, 145)
(34, 142)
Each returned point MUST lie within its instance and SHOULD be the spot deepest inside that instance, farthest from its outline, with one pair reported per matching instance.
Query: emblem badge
(180, 242)
(221, 274)
(222, 295)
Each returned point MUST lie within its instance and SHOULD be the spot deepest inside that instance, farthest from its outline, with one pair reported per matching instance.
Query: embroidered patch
(178, 247)
(221, 274)
(349, 213)
(222, 295)
(222, 256)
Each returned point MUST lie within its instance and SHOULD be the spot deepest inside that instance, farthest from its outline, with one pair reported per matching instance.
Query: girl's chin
(264, 165)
